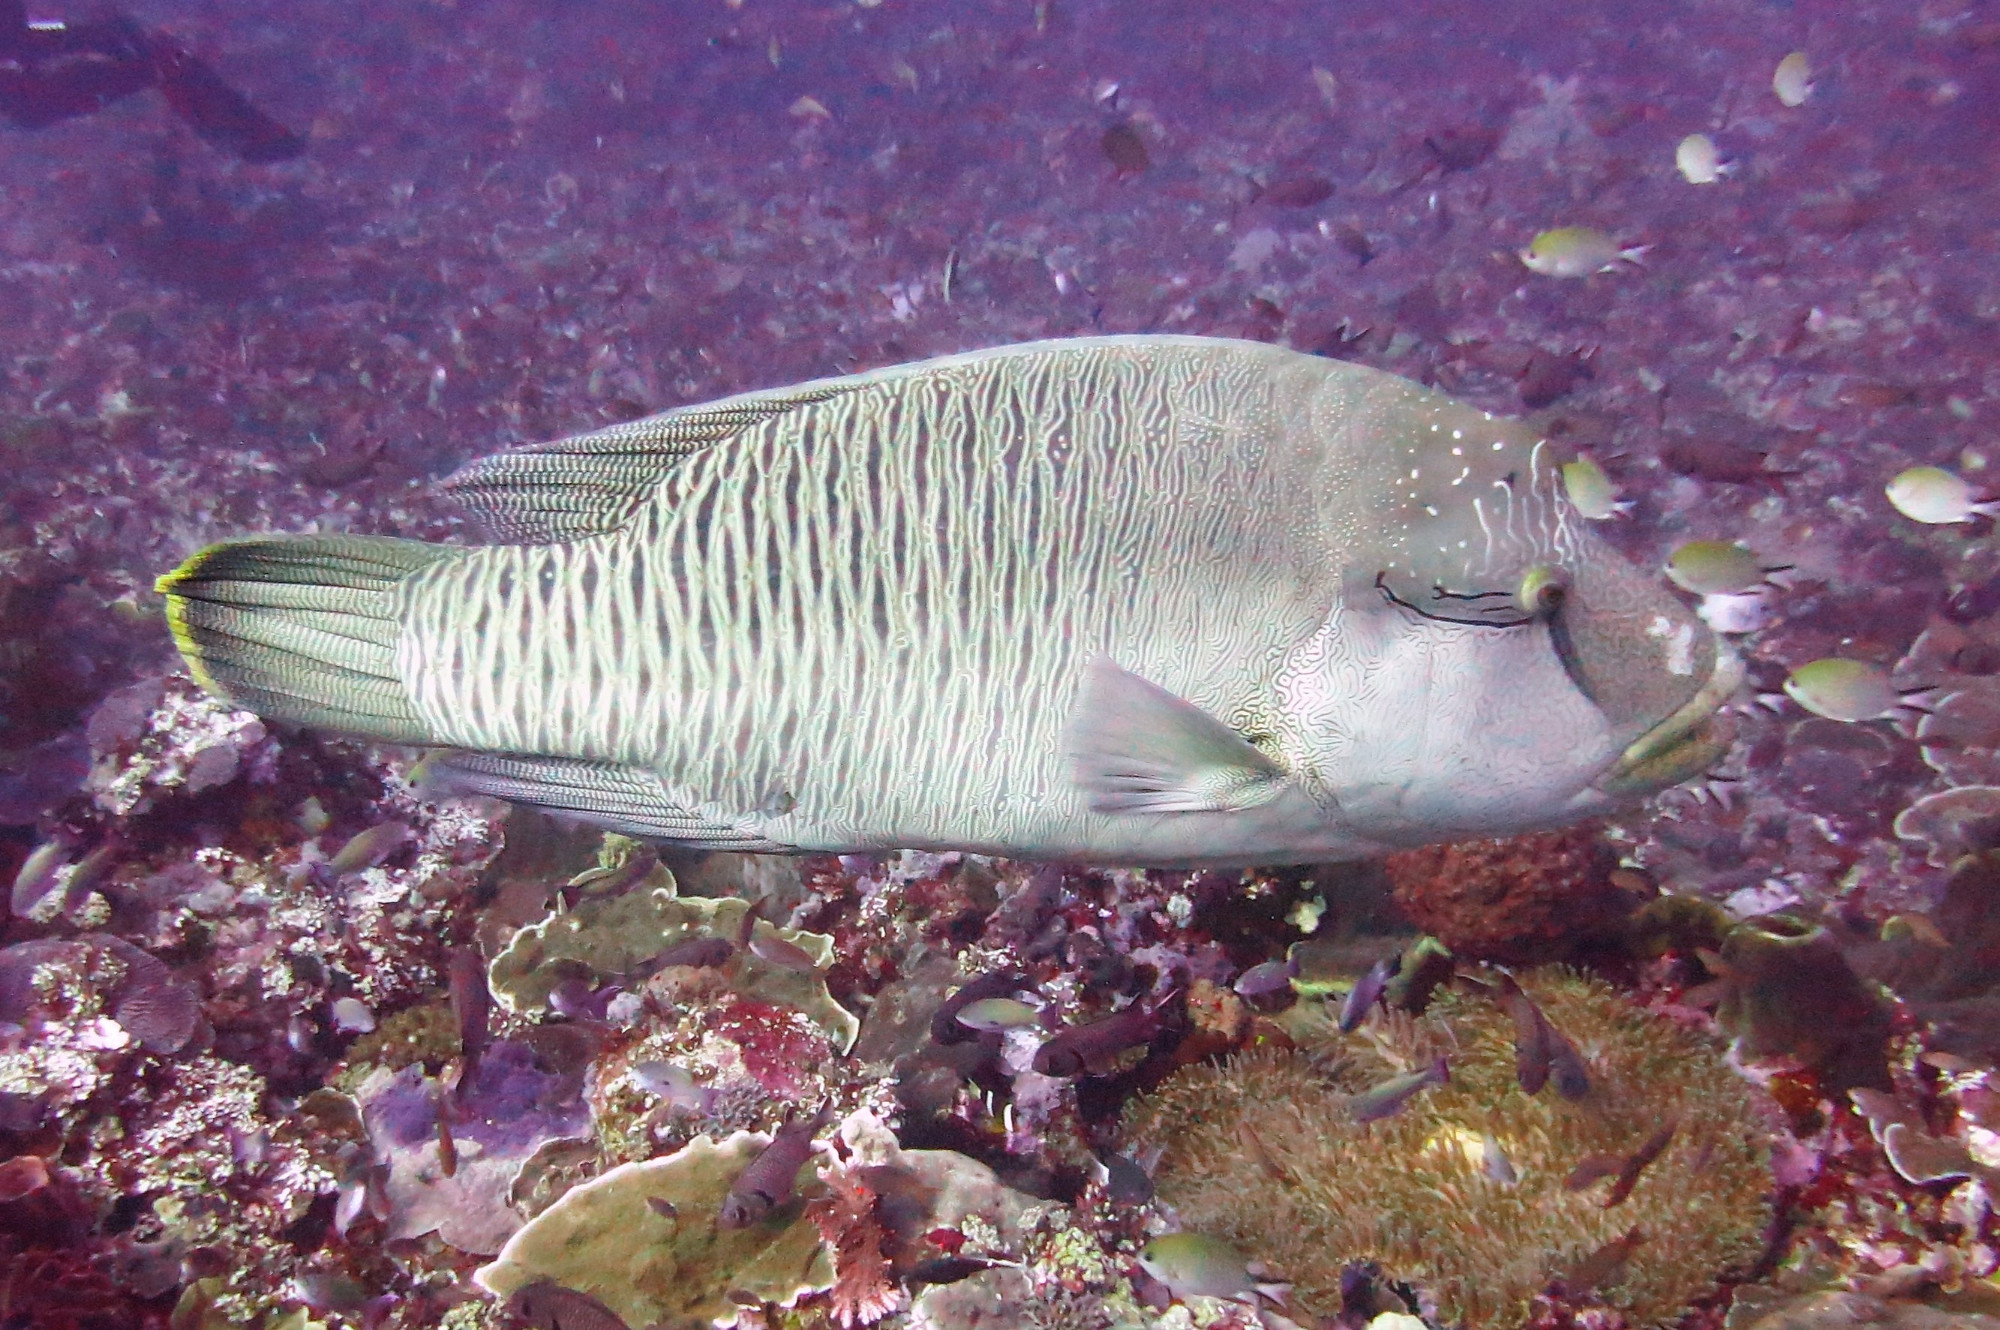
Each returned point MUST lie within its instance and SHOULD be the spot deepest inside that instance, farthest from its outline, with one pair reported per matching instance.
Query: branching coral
(1264, 1152)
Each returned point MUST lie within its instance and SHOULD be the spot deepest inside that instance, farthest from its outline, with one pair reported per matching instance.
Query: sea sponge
(1263, 1152)
(1518, 900)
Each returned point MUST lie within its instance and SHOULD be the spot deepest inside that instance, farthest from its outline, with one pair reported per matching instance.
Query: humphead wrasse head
(1499, 667)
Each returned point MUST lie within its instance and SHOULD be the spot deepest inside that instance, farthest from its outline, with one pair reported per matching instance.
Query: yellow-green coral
(1261, 1151)
(426, 1034)
(643, 1240)
(615, 936)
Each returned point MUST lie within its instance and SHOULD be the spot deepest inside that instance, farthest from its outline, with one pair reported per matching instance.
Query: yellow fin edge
(177, 624)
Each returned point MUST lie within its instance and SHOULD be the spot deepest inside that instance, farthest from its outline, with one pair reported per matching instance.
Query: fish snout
(1688, 742)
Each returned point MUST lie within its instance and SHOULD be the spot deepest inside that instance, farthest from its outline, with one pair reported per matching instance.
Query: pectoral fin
(1134, 747)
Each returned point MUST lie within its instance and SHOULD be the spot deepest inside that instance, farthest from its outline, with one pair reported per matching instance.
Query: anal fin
(1134, 747)
(629, 800)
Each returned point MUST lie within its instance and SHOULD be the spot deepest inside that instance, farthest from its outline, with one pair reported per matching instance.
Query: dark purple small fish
(768, 1181)
(547, 1305)
(1124, 1180)
(1266, 979)
(1636, 1162)
(1542, 1051)
(52, 71)
(1626, 1168)
(1125, 149)
(1592, 1168)
(947, 1270)
(214, 110)
(447, 1147)
(1079, 1048)
(697, 953)
(1367, 991)
(1567, 1068)
(580, 999)
(1296, 191)
(945, 1028)
(1388, 1098)
(472, 1004)
(1605, 1266)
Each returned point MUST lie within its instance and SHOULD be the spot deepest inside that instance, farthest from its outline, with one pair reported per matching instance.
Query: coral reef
(513, 221)
(1264, 1150)
(612, 939)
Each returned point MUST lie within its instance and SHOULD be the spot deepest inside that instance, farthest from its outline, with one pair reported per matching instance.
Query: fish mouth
(1683, 745)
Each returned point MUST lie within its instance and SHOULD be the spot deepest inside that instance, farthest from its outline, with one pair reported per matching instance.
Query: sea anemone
(1473, 1191)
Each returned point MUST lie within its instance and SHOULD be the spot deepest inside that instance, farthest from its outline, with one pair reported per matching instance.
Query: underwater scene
(990, 664)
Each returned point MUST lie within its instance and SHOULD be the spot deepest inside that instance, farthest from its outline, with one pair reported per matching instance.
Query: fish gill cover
(280, 269)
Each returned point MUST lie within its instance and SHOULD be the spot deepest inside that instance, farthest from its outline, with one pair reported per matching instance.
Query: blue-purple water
(424, 232)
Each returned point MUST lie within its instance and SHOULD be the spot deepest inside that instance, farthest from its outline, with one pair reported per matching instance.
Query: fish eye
(1542, 592)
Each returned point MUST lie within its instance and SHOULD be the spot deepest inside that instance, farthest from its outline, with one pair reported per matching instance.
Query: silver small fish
(673, 1083)
(999, 1013)
(1388, 1098)
(1494, 1163)
(366, 849)
(772, 949)
(945, 1028)
(1196, 1265)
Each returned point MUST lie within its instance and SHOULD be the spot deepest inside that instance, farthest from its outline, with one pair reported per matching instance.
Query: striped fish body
(1142, 599)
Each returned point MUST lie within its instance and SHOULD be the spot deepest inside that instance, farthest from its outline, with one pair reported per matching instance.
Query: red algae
(780, 1047)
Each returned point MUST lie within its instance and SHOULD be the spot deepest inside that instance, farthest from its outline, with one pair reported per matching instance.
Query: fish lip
(1683, 745)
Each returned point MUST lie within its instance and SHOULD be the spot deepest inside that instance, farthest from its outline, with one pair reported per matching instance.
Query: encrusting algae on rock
(1473, 1192)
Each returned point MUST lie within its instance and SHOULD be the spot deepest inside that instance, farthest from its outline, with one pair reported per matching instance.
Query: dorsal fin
(590, 483)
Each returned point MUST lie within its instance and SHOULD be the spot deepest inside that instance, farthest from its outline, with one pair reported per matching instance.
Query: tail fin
(302, 628)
